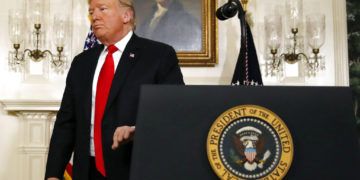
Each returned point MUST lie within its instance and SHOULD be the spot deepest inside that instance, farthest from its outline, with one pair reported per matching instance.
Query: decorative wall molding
(36, 124)
(34, 115)
(340, 43)
(32, 150)
(16, 105)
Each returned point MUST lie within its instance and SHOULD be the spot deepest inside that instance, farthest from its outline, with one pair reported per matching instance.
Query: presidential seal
(249, 142)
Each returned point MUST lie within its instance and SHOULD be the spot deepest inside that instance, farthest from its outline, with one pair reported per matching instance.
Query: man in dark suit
(96, 119)
(169, 22)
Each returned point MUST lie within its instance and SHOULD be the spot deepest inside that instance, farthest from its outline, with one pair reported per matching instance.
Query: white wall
(9, 125)
(13, 86)
(229, 37)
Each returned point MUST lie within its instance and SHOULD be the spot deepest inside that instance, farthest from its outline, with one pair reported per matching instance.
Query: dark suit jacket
(142, 62)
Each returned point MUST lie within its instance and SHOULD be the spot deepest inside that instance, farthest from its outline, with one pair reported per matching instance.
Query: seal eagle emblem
(249, 142)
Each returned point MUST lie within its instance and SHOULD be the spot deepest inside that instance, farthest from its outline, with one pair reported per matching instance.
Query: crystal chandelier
(293, 50)
(31, 50)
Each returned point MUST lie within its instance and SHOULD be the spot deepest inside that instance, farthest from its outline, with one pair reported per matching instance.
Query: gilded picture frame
(187, 25)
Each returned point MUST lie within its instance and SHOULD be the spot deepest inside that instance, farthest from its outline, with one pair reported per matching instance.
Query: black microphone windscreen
(219, 14)
(227, 11)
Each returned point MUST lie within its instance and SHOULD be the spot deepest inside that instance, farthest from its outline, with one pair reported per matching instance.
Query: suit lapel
(127, 61)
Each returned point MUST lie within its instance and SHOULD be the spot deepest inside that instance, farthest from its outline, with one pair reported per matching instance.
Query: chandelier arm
(308, 61)
(17, 54)
(22, 56)
(47, 51)
(51, 55)
(56, 61)
(279, 60)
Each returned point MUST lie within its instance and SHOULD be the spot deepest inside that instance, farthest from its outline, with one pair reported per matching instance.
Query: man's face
(107, 19)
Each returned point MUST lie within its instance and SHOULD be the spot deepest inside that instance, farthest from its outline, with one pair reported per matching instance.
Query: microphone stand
(244, 40)
(241, 16)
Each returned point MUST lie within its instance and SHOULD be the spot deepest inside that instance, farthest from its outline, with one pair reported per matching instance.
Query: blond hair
(130, 5)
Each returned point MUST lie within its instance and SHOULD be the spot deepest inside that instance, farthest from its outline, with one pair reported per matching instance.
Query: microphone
(227, 10)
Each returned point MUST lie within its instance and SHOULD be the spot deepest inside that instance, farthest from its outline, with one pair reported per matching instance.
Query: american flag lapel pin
(132, 55)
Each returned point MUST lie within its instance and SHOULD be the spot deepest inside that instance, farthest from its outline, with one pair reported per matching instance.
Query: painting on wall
(353, 18)
(187, 25)
(177, 23)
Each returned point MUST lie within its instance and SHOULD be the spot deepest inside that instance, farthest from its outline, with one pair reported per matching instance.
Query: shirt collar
(123, 42)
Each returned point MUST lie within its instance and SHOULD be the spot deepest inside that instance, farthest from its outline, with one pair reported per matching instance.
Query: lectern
(173, 125)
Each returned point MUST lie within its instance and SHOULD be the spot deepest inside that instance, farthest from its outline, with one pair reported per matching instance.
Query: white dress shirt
(116, 56)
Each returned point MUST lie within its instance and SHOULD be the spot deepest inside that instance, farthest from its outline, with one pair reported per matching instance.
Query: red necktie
(102, 93)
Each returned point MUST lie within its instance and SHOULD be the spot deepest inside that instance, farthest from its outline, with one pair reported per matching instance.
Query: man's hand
(122, 134)
(53, 178)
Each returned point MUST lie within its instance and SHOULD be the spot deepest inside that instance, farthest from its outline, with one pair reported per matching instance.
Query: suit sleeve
(169, 69)
(62, 139)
